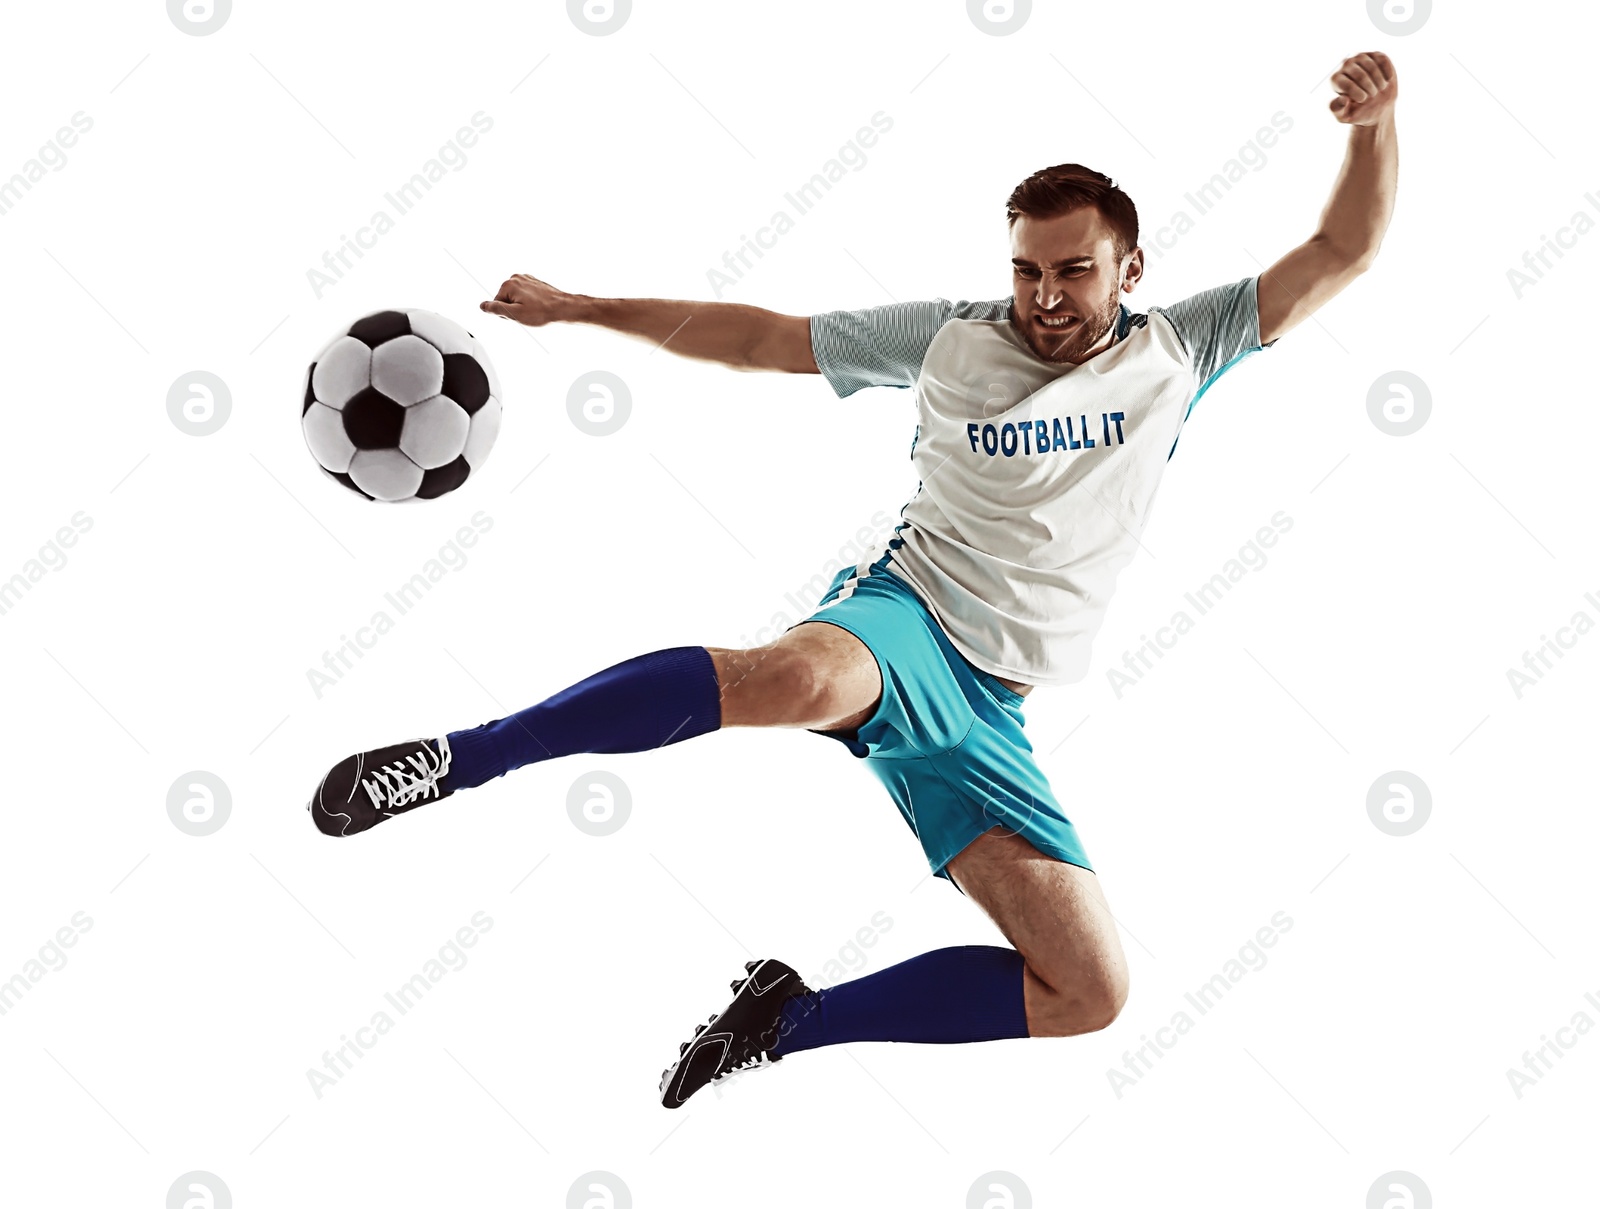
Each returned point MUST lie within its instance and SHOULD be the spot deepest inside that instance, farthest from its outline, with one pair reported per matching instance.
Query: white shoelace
(405, 781)
(750, 1062)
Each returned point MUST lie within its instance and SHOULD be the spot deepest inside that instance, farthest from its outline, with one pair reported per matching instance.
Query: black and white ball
(404, 405)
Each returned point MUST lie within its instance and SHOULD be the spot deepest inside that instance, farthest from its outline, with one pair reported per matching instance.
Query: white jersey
(1036, 478)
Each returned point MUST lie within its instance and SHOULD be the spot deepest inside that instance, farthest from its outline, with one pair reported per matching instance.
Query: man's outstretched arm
(1357, 214)
(744, 337)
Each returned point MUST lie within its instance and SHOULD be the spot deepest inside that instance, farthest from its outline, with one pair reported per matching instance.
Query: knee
(797, 680)
(1106, 994)
(1085, 1000)
(775, 686)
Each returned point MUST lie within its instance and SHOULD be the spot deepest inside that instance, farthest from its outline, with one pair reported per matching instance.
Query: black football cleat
(738, 1038)
(361, 791)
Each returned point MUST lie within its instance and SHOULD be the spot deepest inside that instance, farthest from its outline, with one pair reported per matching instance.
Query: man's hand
(531, 301)
(1367, 88)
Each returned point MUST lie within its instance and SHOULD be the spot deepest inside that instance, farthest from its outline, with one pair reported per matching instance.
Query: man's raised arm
(1357, 213)
(743, 337)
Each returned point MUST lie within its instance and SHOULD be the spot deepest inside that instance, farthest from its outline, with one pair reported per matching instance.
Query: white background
(1229, 784)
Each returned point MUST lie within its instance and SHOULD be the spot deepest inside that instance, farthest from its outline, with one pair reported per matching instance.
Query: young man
(1046, 420)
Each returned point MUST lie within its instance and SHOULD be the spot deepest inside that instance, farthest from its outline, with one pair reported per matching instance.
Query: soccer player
(1032, 497)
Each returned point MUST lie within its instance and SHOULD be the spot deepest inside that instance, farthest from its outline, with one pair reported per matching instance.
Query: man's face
(1067, 283)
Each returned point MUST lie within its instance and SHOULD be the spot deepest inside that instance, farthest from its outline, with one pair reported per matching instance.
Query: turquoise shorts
(946, 738)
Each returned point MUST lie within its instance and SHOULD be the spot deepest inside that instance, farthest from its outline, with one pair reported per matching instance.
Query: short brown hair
(1052, 192)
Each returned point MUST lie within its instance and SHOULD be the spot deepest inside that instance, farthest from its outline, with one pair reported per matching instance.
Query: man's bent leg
(948, 996)
(1075, 978)
(1065, 974)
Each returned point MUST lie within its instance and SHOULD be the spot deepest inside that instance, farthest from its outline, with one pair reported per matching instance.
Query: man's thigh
(1055, 915)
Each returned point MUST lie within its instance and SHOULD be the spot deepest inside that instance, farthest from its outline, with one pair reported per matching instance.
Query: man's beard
(1084, 337)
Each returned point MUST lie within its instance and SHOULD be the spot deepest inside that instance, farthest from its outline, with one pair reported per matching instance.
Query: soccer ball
(402, 406)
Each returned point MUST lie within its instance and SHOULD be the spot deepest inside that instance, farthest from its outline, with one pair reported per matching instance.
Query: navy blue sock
(948, 996)
(648, 701)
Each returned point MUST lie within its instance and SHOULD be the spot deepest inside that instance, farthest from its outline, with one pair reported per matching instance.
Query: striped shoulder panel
(885, 345)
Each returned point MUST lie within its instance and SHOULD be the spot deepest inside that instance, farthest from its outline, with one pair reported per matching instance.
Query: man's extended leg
(803, 679)
(812, 676)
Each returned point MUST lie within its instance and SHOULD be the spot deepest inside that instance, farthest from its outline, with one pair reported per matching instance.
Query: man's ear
(1133, 271)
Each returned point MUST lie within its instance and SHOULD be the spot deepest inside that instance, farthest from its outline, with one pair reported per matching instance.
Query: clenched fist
(531, 301)
(1367, 88)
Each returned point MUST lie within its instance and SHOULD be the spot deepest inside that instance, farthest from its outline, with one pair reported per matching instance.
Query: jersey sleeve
(1217, 327)
(885, 345)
